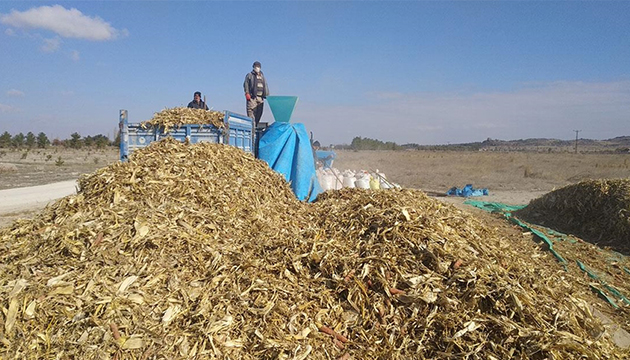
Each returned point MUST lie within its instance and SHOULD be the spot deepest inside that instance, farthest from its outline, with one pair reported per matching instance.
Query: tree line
(41, 140)
(359, 143)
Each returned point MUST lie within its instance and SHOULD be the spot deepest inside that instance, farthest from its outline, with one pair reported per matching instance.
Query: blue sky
(423, 72)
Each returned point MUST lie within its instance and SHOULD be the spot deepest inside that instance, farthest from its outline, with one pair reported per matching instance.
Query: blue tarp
(467, 191)
(326, 157)
(287, 149)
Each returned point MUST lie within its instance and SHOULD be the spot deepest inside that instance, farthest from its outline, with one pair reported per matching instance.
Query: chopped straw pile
(175, 117)
(202, 251)
(595, 210)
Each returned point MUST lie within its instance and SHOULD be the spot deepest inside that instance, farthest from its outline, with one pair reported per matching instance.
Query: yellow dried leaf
(406, 214)
(171, 313)
(83, 338)
(303, 334)
(20, 284)
(469, 326)
(233, 343)
(126, 283)
(11, 315)
(105, 300)
(142, 228)
(57, 280)
(305, 354)
(136, 298)
(134, 342)
(62, 290)
(222, 324)
(29, 313)
(184, 347)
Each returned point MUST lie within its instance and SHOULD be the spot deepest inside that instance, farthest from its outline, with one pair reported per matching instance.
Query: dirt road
(21, 202)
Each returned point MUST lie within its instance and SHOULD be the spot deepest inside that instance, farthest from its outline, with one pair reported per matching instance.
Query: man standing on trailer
(197, 103)
(256, 91)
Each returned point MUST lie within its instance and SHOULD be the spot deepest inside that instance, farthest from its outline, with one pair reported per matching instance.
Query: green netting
(506, 210)
(542, 236)
(494, 206)
(610, 288)
(601, 293)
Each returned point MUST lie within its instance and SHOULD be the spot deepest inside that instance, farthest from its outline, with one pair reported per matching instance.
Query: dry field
(431, 171)
(516, 177)
(19, 168)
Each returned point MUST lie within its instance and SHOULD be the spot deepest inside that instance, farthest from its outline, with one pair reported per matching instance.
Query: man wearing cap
(197, 103)
(256, 91)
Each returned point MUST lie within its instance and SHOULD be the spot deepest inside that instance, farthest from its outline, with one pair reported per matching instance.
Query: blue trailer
(285, 147)
(238, 132)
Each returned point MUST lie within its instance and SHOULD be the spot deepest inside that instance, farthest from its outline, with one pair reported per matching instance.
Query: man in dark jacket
(256, 90)
(197, 103)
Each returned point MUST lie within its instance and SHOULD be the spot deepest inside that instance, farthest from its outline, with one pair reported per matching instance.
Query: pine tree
(18, 140)
(42, 140)
(75, 140)
(30, 140)
(5, 140)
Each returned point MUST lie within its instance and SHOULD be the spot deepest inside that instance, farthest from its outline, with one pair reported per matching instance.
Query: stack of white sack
(333, 179)
(330, 179)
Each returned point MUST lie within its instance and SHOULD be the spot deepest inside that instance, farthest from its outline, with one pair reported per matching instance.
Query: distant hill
(619, 144)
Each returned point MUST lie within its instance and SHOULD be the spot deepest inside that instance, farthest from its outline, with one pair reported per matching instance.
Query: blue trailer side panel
(238, 133)
(124, 134)
(138, 137)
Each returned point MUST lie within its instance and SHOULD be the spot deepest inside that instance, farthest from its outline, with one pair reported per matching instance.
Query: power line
(576, 139)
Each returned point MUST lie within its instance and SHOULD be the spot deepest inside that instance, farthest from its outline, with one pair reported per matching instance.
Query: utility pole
(576, 139)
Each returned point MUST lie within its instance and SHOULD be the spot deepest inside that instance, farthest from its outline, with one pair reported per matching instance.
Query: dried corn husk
(595, 210)
(202, 251)
(175, 117)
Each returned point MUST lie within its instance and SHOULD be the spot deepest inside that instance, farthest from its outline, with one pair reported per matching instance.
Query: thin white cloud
(15, 92)
(74, 55)
(387, 95)
(67, 92)
(9, 32)
(7, 108)
(68, 23)
(551, 110)
(51, 45)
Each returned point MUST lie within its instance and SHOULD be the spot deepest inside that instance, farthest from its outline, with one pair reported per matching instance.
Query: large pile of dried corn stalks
(595, 210)
(201, 251)
(178, 116)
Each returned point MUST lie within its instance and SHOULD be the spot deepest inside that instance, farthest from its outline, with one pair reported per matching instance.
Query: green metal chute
(282, 107)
